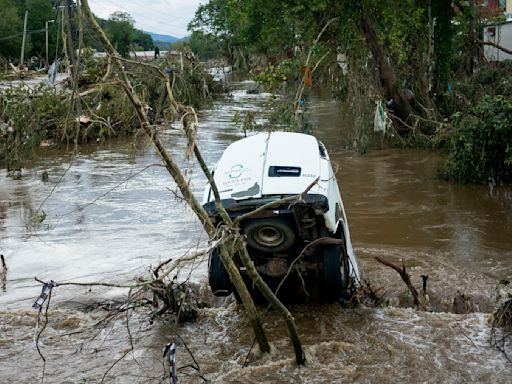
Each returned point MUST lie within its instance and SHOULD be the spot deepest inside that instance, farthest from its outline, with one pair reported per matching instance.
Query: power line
(20, 34)
(150, 18)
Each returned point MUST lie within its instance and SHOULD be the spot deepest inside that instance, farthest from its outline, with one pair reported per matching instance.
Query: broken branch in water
(405, 277)
(501, 331)
(3, 272)
(4, 266)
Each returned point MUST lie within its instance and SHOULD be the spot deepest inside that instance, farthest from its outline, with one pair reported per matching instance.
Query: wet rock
(462, 304)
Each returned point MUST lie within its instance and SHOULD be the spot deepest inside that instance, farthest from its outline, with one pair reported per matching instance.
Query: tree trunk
(401, 106)
(178, 177)
(471, 38)
(300, 358)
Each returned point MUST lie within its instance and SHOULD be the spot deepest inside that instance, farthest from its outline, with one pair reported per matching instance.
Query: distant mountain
(162, 38)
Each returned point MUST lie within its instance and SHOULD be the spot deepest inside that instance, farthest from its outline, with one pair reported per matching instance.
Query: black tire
(273, 235)
(335, 272)
(218, 277)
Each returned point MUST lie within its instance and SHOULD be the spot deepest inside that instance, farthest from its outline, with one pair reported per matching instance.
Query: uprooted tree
(228, 237)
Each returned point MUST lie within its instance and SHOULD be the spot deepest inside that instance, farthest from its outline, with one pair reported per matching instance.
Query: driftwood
(501, 331)
(405, 277)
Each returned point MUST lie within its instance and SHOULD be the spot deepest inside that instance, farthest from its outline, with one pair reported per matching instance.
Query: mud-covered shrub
(481, 143)
(27, 117)
(194, 87)
(111, 114)
(92, 68)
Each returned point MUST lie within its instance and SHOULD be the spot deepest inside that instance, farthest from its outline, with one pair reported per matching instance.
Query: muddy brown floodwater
(113, 214)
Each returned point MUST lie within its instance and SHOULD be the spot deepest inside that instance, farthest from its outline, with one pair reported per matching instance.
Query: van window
(282, 171)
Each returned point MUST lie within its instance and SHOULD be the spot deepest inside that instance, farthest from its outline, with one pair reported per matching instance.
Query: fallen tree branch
(300, 357)
(405, 277)
(492, 44)
(231, 229)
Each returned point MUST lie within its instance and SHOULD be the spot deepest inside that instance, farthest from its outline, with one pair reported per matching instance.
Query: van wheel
(218, 277)
(335, 273)
(269, 235)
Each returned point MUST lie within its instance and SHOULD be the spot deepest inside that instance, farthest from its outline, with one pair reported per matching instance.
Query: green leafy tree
(143, 40)
(39, 12)
(120, 31)
(204, 45)
(481, 144)
(224, 21)
(10, 25)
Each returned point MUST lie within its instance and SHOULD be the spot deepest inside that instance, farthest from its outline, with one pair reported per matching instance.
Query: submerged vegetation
(41, 116)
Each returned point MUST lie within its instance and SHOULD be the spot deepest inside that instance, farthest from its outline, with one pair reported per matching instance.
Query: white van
(270, 166)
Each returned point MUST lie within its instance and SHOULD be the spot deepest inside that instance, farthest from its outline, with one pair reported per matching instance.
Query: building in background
(500, 34)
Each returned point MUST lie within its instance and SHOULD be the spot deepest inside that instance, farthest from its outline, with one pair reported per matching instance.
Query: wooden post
(23, 41)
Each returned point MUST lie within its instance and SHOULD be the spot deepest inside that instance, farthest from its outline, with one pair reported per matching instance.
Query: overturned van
(268, 167)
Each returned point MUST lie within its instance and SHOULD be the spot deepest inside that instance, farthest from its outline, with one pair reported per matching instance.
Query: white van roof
(276, 163)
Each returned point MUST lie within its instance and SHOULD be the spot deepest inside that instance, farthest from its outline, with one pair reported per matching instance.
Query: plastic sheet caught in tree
(380, 118)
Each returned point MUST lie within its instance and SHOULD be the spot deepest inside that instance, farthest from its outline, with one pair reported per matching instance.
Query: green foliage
(112, 114)
(443, 43)
(194, 87)
(123, 36)
(245, 122)
(492, 81)
(496, 80)
(120, 31)
(94, 68)
(28, 118)
(400, 28)
(266, 27)
(273, 76)
(142, 41)
(204, 45)
(481, 144)
(10, 24)
(40, 11)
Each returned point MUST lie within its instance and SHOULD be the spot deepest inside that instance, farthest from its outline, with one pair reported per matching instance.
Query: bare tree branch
(492, 44)
(405, 277)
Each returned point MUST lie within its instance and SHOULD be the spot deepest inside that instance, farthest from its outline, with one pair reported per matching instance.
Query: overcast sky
(168, 17)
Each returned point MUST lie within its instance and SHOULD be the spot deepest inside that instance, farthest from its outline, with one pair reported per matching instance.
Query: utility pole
(46, 64)
(69, 38)
(23, 41)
